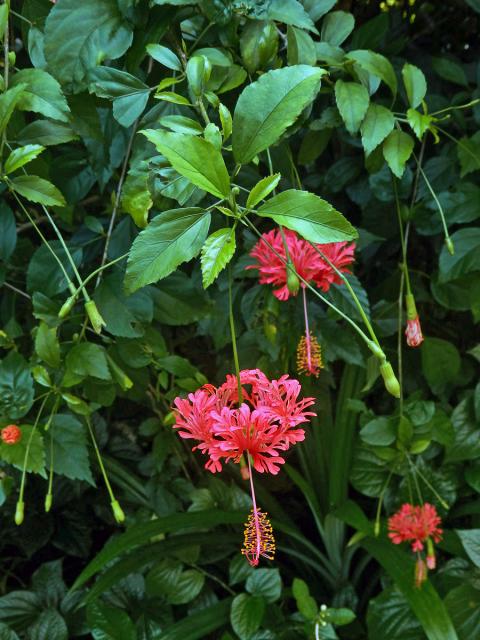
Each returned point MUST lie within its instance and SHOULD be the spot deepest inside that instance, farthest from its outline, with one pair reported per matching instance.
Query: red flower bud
(413, 332)
(11, 434)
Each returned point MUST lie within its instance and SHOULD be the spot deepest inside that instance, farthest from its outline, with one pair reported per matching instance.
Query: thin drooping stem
(234, 337)
(307, 329)
(116, 204)
(439, 206)
(255, 511)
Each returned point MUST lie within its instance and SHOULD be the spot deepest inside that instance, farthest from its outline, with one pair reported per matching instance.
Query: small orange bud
(11, 434)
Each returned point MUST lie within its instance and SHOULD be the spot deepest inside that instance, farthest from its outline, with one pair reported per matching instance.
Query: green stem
(472, 103)
(380, 502)
(99, 458)
(234, 337)
(6, 68)
(437, 202)
(291, 267)
(402, 237)
(430, 486)
(96, 271)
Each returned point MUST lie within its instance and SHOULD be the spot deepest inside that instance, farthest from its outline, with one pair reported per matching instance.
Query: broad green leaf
(466, 444)
(305, 603)
(310, 216)
(46, 133)
(37, 190)
(165, 56)
(265, 583)
(20, 609)
(217, 252)
(261, 190)
(336, 27)
(44, 275)
(47, 582)
(368, 473)
(468, 150)
(440, 362)
(450, 70)
(8, 101)
(463, 604)
(194, 158)
(171, 238)
(377, 65)
(109, 623)
(415, 84)
(42, 94)
(178, 300)
(5, 632)
(181, 124)
(419, 122)
(171, 96)
(246, 615)
(471, 543)
(397, 149)
(8, 231)
(466, 257)
(268, 106)
(15, 454)
(16, 386)
(377, 125)
(200, 624)
(390, 616)
(352, 101)
(70, 450)
(380, 431)
(79, 36)
(50, 624)
(300, 48)
(259, 44)
(289, 12)
(136, 198)
(168, 579)
(22, 156)
(88, 359)
(47, 345)
(425, 602)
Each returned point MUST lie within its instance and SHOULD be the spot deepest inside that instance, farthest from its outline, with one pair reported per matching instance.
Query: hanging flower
(415, 525)
(12, 434)
(413, 332)
(307, 262)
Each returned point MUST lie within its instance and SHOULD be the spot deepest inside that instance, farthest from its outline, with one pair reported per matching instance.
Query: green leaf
(463, 604)
(419, 122)
(8, 231)
(261, 190)
(377, 65)
(425, 602)
(336, 27)
(379, 432)
(217, 252)
(171, 96)
(5, 632)
(44, 275)
(199, 624)
(181, 124)
(48, 626)
(167, 579)
(37, 190)
(450, 70)
(41, 94)
(310, 216)
(46, 133)
(368, 473)
(300, 47)
(8, 101)
(16, 386)
(289, 12)
(268, 106)
(20, 609)
(129, 94)
(47, 346)
(171, 238)
(415, 84)
(468, 150)
(70, 450)
(466, 445)
(165, 56)
(78, 37)
(88, 359)
(376, 126)
(389, 616)
(440, 363)
(352, 101)
(15, 453)
(22, 156)
(471, 543)
(178, 301)
(265, 583)
(194, 158)
(109, 623)
(246, 615)
(305, 603)
(397, 149)
(47, 582)
(466, 258)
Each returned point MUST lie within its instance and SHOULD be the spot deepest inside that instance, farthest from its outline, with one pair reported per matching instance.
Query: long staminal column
(259, 540)
(309, 355)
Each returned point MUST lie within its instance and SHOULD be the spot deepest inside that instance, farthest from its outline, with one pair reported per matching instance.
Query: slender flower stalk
(259, 540)
(309, 355)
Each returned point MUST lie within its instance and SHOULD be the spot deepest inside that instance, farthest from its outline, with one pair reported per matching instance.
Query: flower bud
(391, 383)
(293, 283)
(67, 307)
(450, 246)
(376, 529)
(411, 307)
(431, 560)
(117, 511)
(420, 572)
(48, 502)
(94, 315)
(19, 512)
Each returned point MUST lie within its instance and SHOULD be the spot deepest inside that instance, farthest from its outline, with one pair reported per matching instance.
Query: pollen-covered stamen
(309, 356)
(259, 540)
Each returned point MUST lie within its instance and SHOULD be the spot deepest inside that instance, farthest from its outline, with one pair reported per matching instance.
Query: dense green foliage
(143, 143)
